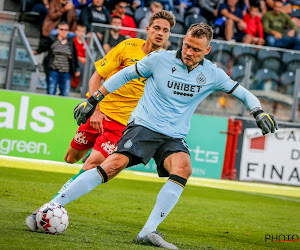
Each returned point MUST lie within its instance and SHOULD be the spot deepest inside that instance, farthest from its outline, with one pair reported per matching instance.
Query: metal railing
(94, 52)
(250, 68)
(19, 33)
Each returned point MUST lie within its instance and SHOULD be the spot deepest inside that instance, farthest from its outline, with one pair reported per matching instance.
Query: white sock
(83, 184)
(165, 202)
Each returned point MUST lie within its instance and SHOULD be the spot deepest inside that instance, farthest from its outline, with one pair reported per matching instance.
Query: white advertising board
(274, 158)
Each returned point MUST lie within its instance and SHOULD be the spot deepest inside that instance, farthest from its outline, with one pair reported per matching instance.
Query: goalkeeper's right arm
(85, 109)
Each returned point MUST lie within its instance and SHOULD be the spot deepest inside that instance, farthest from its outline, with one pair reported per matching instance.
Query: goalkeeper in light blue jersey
(177, 81)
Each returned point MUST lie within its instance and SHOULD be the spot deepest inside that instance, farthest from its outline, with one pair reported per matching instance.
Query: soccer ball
(52, 218)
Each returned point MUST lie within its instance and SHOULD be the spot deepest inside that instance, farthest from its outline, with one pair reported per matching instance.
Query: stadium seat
(193, 18)
(220, 54)
(176, 42)
(26, 14)
(139, 14)
(243, 54)
(266, 79)
(291, 61)
(269, 59)
(238, 73)
(179, 17)
(287, 80)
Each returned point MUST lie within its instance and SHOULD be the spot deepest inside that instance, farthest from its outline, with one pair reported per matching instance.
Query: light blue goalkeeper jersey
(172, 93)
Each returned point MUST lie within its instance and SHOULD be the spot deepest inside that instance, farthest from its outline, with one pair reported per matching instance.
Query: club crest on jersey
(128, 144)
(173, 69)
(201, 79)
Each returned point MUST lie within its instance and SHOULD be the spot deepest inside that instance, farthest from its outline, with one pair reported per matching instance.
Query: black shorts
(140, 144)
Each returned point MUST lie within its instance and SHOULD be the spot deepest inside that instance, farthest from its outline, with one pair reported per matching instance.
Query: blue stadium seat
(194, 18)
(179, 17)
(270, 59)
(291, 61)
(176, 42)
(243, 54)
(266, 79)
(287, 80)
(221, 54)
(139, 14)
(238, 73)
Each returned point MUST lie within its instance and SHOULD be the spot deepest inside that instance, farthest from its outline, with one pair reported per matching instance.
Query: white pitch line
(195, 181)
(19, 159)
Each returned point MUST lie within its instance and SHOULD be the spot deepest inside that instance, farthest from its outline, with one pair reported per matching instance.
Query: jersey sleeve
(117, 80)
(111, 61)
(224, 82)
(147, 65)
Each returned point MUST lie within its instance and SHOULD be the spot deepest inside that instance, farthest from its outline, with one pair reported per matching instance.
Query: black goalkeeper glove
(84, 110)
(266, 122)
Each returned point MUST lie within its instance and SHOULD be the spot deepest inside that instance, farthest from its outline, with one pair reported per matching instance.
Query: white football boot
(156, 240)
(31, 221)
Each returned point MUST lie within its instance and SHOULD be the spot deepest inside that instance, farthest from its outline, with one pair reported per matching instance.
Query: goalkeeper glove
(266, 122)
(84, 110)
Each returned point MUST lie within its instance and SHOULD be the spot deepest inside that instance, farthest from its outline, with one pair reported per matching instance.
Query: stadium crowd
(260, 22)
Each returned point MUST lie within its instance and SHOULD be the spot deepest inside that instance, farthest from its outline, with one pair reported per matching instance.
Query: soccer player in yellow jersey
(104, 129)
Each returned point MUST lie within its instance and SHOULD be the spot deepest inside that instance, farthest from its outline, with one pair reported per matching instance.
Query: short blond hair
(201, 30)
(157, 5)
(164, 14)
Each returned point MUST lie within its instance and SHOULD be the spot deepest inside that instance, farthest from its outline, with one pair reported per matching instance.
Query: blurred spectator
(209, 9)
(168, 4)
(295, 13)
(135, 4)
(78, 41)
(39, 6)
(127, 21)
(60, 62)
(154, 6)
(59, 11)
(113, 37)
(279, 28)
(243, 5)
(95, 12)
(79, 5)
(233, 24)
(286, 6)
(261, 4)
(187, 6)
(254, 31)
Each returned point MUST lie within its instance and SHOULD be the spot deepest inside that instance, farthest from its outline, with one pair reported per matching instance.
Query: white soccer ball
(52, 218)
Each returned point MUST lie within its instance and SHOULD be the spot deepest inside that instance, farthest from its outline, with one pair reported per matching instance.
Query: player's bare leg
(179, 167)
(73, 155)
(95, 159)
(114, 164)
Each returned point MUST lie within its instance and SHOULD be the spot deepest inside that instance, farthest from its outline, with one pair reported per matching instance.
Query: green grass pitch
(110, 216)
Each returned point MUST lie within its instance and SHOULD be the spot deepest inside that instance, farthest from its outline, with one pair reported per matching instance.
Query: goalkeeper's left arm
(266, 122)
(84, 110)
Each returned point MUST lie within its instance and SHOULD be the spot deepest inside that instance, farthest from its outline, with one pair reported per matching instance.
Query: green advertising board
(42, 127)
(36, 126)
(206, 144)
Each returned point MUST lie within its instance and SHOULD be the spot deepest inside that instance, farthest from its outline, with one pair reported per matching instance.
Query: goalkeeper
(177, 81)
